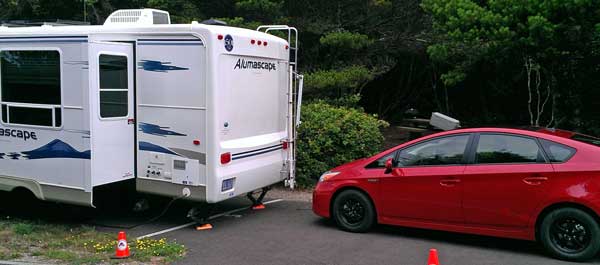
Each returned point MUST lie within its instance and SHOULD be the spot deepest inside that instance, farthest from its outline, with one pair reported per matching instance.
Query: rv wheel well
(23, 193)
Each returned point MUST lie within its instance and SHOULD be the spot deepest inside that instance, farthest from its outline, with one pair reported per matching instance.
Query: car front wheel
(353, 211)
(570, 234)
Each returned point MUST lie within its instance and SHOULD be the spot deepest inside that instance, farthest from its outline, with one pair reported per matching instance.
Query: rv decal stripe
(54, 149)
(44, 37)
(157, 130)
(171, 44)
(256, 152)
(175, 42)
(158, 66)
(196, 40)
(146, 146)
(44, 41)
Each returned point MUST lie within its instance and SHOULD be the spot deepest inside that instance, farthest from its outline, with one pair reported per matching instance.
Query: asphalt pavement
(287, 232)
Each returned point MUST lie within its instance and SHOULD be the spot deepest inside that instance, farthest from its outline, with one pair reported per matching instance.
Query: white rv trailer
(193, 110)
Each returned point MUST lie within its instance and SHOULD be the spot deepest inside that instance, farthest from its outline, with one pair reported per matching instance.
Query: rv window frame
(98, 89)
(33, 105)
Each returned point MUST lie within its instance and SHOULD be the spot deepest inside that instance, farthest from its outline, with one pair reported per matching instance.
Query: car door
(426, 183)
(506, 181)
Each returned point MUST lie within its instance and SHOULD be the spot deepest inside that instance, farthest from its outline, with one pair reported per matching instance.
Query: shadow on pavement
(467, 240)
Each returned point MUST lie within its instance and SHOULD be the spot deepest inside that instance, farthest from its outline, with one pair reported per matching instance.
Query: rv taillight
(220, 37)
(287, 47)
(252, 41)
(265, 43)
(196, 142)
(225, 158)
(259, 42)
(285, 145)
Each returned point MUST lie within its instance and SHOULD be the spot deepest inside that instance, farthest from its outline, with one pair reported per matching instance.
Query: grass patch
(77, 244)
(23, 229)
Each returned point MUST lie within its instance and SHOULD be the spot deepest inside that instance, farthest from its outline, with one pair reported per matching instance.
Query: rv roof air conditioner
(144, 16)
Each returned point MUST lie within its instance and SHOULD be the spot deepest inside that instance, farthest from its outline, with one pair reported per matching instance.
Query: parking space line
(209, 218)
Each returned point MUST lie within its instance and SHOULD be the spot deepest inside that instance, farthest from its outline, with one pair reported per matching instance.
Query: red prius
(540, 184)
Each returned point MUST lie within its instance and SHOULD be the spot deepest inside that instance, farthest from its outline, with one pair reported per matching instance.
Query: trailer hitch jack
(257, 204)
(201, 215)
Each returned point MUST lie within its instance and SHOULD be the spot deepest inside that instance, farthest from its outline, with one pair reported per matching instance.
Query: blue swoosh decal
(154, 129)
(54, 149)
(146, 146)
(158, 66)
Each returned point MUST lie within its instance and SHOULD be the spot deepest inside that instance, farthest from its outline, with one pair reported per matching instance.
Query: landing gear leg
(201, 216)
(257, 204)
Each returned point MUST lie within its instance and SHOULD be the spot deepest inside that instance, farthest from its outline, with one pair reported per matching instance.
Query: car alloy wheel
(353, 211)
(570, 234)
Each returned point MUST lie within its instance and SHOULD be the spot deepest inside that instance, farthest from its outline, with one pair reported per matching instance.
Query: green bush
(330, 136)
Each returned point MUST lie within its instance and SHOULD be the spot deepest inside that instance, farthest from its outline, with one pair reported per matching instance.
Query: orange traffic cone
(122, 246)
(433, 257)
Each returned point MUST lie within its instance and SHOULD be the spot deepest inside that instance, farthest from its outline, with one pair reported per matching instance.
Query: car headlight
(328, 175)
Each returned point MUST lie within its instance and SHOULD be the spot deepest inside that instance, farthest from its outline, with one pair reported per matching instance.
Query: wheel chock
(259, 207)
(204, 227)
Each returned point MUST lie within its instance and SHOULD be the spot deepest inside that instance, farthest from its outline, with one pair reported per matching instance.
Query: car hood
(350, 165)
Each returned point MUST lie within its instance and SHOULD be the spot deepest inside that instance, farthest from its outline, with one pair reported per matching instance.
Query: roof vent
(215, 22)
(144, 16)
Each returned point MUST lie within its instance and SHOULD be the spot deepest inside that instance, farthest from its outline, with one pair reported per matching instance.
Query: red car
(539, 185)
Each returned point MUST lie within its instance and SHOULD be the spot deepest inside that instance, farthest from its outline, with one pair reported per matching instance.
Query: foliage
(264, 10)
(330, 136)
(475, 40)
(188, 9)
(345, 40)
(75, 244)
(337, 83)
(240, 22)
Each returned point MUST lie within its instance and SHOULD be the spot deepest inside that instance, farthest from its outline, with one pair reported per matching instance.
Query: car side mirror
(389, 165)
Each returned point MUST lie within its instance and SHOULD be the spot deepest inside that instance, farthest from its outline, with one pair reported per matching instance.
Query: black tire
(353, 211)
(570, 234)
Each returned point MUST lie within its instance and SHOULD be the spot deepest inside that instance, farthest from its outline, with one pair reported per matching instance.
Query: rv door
(112, 117)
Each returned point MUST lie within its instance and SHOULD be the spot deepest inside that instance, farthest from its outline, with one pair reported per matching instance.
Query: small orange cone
(259, 207)
(122, 246)
(433, 257)
(204, 227)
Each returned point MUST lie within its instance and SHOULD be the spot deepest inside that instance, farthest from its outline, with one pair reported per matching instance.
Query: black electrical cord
(145, 222)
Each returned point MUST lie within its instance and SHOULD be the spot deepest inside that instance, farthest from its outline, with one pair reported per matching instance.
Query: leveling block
(204, 227)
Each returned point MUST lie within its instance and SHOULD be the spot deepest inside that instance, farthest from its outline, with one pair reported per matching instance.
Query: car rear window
(557, 152)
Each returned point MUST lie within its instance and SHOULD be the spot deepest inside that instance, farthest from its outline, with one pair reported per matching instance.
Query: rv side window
(113, 86)
(30, 87)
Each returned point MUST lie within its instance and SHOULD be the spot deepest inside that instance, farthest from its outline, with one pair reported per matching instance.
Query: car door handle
(449, 182)
(534, 180)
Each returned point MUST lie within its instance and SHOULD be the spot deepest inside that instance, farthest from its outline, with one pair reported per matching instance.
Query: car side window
(501, 149)
(437, 152)
(557, 152)
(380, 163)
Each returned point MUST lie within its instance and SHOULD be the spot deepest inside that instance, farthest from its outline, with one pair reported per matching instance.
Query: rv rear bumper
(172, 190)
